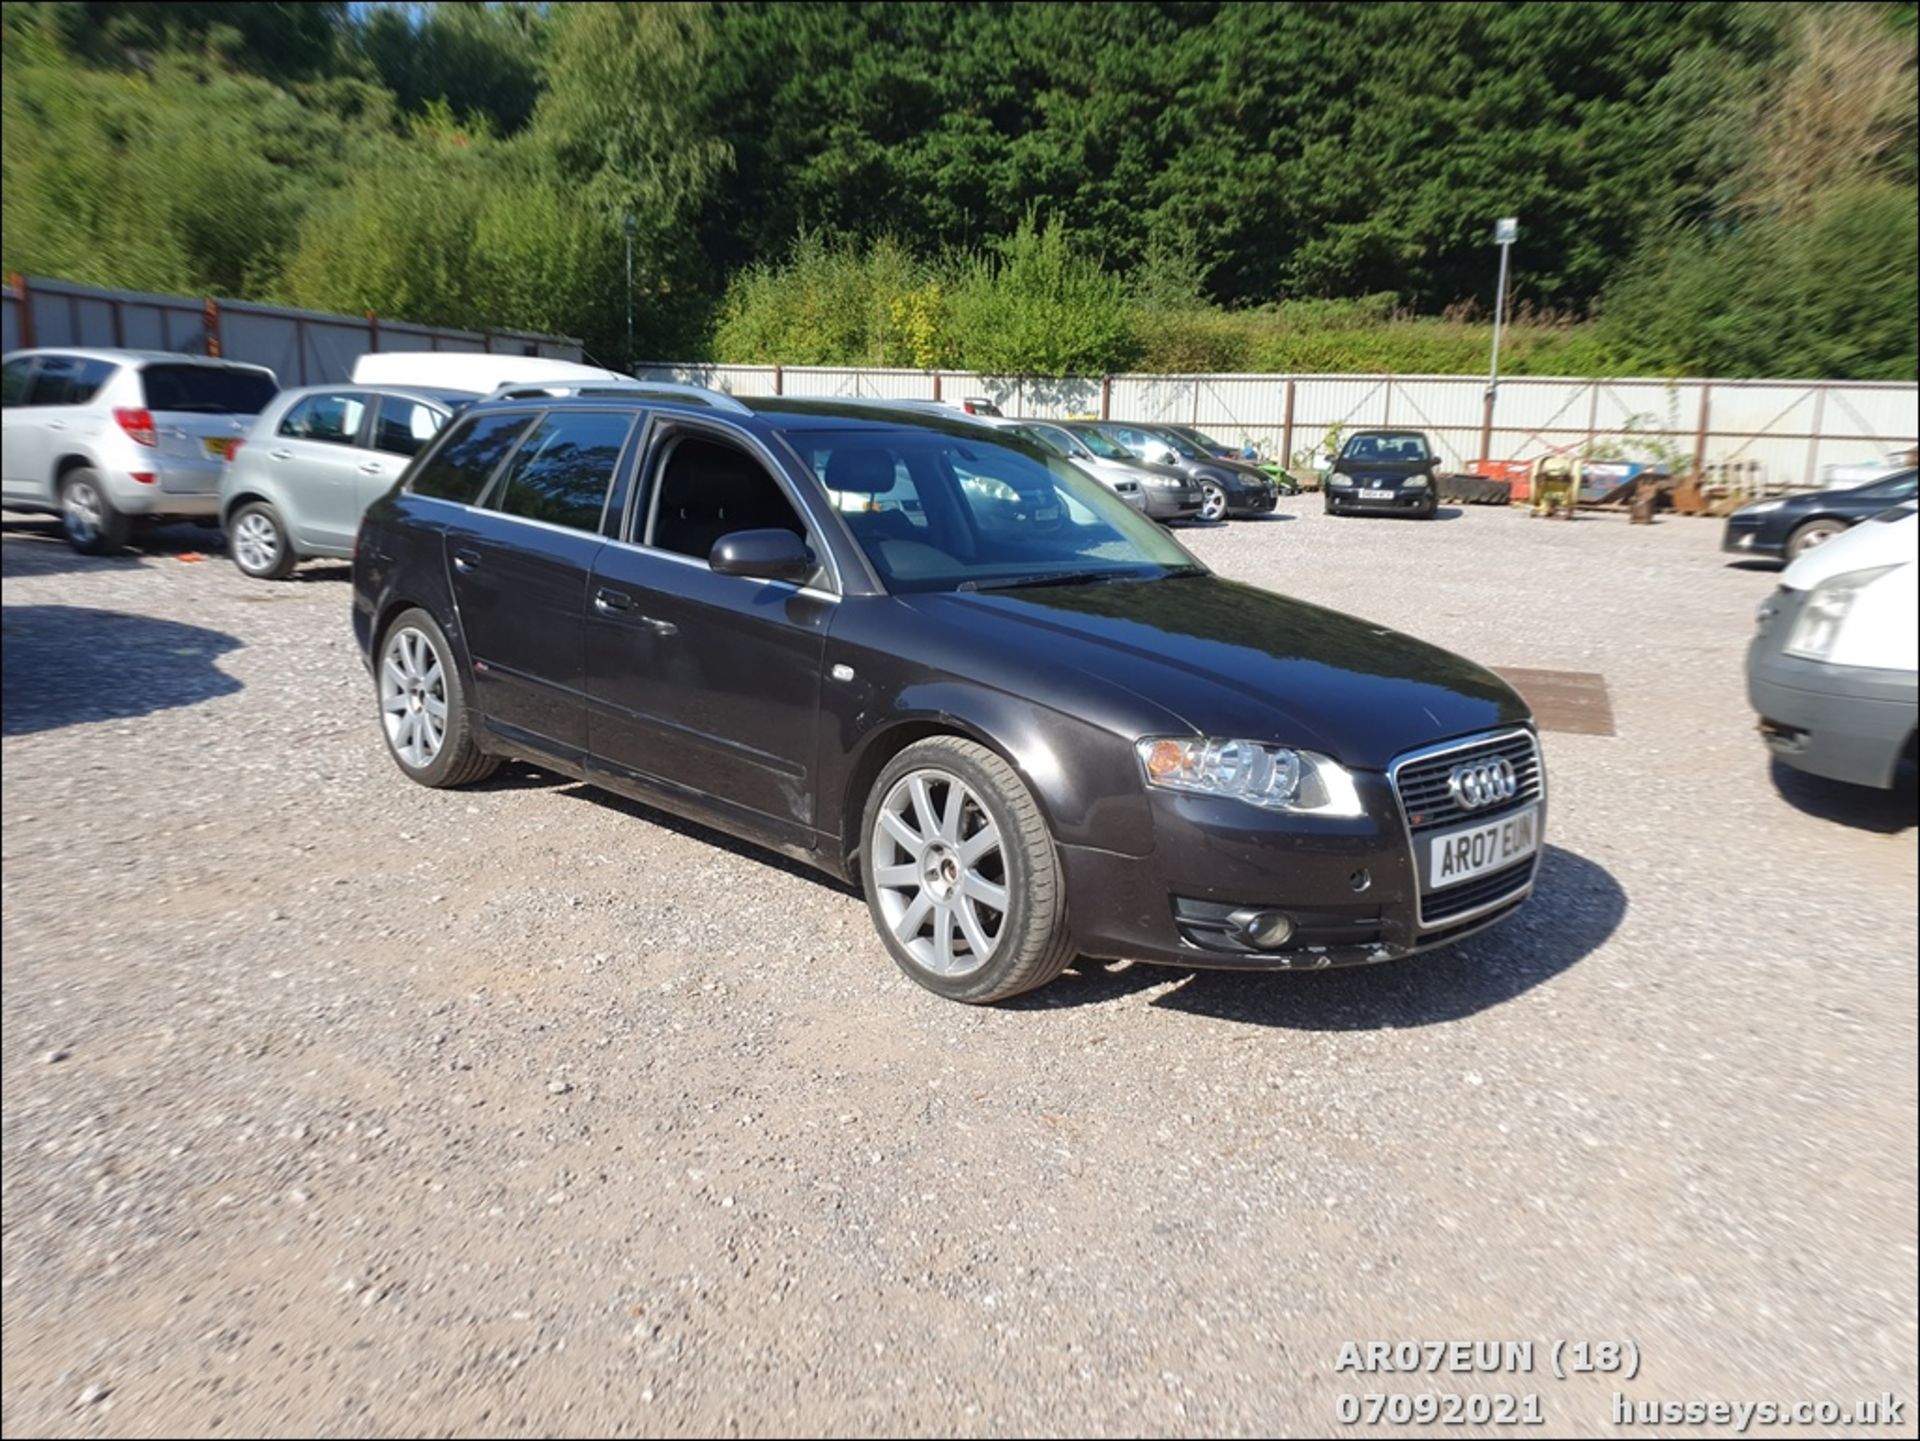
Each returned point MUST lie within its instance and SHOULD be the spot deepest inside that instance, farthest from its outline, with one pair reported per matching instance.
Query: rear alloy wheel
(1213, 503)
(1813, 533)
(92, 525)
(259, 543)
(423, 706)
(960, 873)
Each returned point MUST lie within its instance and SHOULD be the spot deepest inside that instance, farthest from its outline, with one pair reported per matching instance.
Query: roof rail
(636, 389)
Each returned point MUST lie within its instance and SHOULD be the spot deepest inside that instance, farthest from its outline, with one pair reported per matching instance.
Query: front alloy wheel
(1213, 504)
(260, 545)
(961, 875)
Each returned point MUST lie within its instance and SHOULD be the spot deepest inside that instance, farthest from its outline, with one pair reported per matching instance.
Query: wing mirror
(764, 555)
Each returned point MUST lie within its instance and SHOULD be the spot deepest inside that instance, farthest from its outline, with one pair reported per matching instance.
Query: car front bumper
(1847, 723)
(1251, 501)
(1350, 886)
(1751, 535)
(1173, 503)
(1405, 502)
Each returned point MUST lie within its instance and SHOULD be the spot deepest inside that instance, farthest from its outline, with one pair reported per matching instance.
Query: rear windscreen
(211, 389)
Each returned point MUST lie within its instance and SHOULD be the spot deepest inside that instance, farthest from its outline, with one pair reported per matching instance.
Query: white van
(468, 371)
(1833, 670)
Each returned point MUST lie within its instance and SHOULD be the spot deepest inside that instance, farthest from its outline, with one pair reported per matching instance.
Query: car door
(703, 684)
(399, 430)
(57, 419)
(16, 424)
(519, 564)
(314, 456)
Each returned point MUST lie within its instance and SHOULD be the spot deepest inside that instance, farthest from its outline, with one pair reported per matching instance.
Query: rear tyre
(1812, 533)
(259, 543)
(92, 525)
(961, 875)
(424, 712)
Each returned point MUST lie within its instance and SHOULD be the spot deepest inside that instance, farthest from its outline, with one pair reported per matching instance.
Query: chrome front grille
(1421, 783)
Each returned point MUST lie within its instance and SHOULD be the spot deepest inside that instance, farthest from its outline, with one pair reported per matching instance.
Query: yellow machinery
(1556, 486)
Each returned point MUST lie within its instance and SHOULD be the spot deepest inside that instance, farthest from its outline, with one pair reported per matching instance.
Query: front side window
(1103, 445)
(461, 468)
(13, 381)
(330, 419)
(562, 473)
(708, 489)
(935, 511)
(405, 426)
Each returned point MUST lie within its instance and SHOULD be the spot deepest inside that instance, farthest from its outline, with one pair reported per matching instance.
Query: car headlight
(1164, 482)
(1825, 610)
(1760, 507)
(1340, 479)
(1275, 778)
(1414, 482)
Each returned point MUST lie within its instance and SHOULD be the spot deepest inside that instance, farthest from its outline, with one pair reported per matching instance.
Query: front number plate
(1460, 855)
(1376, 495)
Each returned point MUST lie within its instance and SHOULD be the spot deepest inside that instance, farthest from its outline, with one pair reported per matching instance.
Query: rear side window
(332, 419)
(460, 469)
(405, 426)
(207, 389)
(562, 474)
(68, 380)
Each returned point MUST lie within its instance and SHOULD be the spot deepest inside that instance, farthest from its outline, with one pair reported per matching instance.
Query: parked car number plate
(1468, 851)
(1376, 495)
(219, 446)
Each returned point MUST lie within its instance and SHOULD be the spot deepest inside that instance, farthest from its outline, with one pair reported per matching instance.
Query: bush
(1040, 307)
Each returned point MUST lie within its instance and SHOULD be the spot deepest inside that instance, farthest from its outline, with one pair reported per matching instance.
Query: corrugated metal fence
(1761, 434)
(302, 347)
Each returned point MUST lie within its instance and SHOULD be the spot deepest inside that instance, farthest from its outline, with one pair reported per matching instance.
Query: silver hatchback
(316, 459)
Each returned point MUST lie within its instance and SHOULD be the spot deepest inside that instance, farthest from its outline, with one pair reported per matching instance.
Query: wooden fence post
(26, 310)
(210, 316)
(1286, 428)
(373, 333)
(1700, 435)
(1106, 397)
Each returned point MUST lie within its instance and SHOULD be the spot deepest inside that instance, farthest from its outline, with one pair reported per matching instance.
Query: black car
(947, 664)
(1387, 472)
(1787, 528)
(1231, 487)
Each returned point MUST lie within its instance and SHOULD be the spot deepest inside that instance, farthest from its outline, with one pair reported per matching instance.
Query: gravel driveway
(337, 1105)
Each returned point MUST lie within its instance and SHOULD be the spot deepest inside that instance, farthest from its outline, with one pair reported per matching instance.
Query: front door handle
(605, 600)
(466, 560)
(373, 467)
(56, 425)
(282, 454)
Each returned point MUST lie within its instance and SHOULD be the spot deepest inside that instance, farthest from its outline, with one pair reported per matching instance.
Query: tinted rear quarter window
(69, 380)
(405, 426)
(334, 418)
(562, 473)
(13, 381)
(460, 469)
(208, 389)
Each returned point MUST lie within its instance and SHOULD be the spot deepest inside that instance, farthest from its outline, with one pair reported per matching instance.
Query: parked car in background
(1385, 472)
(472, 372)
(1831, 669)
(1790, 526)
(1026, 719)
(1227, 487)
(1164, 493)
(1200, 440)
(315, 460)
(108, 439)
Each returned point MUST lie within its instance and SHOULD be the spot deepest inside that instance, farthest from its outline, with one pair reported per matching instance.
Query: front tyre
(423, 706)
(259, 543)
(961, 874)
(1213, 501)
(88, 517)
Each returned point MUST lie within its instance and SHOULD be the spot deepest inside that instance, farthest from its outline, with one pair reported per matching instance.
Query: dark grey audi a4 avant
(926, 656)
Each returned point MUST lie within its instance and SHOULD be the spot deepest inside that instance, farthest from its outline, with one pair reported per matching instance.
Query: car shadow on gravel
(1865, 808)
(66, 665)
(36, 545)
(1576, 905)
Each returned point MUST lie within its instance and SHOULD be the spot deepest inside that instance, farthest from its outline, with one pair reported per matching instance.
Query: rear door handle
(373, 467)
(281, 454)
(466, 560)
(56, 425)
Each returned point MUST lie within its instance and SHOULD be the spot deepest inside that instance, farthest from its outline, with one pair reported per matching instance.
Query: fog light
(1267, 930)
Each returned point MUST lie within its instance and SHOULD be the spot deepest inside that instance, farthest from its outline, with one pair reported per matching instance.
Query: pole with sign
(1506, 230)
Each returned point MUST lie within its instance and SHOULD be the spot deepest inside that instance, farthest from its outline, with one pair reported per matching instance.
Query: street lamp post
(1506, 230)
(630, 225)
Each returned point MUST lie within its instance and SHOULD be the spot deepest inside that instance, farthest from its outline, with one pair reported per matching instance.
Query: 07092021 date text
(1400, 1408)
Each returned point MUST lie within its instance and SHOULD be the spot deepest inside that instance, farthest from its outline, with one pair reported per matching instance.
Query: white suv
(107, 437)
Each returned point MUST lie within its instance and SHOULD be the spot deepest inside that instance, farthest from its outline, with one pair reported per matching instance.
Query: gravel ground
(337, 1105)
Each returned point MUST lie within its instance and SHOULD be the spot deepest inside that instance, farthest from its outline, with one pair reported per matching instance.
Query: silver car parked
(315, 460)
(1161, 493)
(108, 438)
